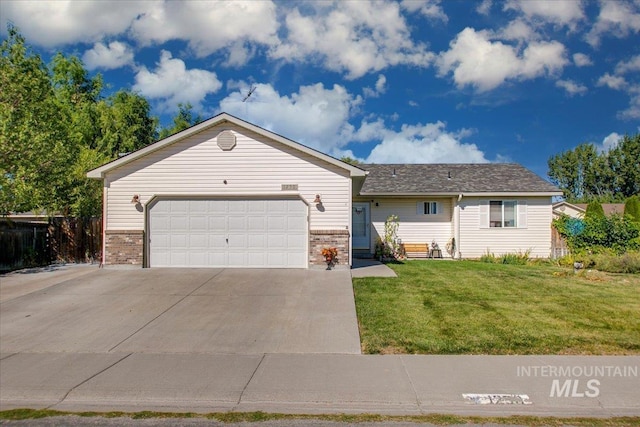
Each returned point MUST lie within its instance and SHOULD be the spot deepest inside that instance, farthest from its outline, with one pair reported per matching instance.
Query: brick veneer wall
(319, 239)
(124, 247)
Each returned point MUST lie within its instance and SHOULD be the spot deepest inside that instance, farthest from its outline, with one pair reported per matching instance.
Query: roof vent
(449, 175)
(226, 140)
(393, 175)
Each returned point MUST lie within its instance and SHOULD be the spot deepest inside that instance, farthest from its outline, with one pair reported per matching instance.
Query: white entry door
(360, 226)
(267, 233)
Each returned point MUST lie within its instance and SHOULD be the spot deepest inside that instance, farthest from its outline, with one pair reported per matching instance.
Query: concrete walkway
(370, 268)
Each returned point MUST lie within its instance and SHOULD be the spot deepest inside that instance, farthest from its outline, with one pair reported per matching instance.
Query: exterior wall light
(136, 199)
(317, 200)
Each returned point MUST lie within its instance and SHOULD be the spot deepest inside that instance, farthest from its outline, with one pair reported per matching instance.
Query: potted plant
(330, 255)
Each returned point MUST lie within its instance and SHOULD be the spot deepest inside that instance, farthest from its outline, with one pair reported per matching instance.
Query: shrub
(519, 258)
(632, 209)
(594, 210)
(626, 263)
(597, 234)
(489, 258)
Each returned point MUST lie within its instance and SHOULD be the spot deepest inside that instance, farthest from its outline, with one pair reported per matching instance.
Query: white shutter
(484, 213)
(420, 208)
(522, 214)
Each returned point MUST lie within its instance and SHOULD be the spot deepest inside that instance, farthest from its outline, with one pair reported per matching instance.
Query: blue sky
(415, 81)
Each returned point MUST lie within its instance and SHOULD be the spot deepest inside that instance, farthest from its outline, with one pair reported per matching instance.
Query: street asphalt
(281, 341)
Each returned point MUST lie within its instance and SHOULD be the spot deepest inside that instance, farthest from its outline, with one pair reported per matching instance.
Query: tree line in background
(586, 174)
(56, 124)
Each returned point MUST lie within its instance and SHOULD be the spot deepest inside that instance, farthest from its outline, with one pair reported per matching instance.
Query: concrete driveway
(223, 311)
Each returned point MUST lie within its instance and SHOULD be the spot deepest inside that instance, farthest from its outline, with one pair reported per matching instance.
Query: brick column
(319, 239)
(124, 247)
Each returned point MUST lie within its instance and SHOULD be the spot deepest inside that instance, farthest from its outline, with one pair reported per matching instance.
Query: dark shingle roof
(452, 178)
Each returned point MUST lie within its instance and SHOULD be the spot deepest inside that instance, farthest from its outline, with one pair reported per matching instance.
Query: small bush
(625, 263)
(519, 258)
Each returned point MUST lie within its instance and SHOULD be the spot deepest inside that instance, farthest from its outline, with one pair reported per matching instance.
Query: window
(502, 213)
(428, 208)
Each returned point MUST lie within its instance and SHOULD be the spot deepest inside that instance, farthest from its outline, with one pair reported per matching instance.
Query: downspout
(457, 227)
(105, 187)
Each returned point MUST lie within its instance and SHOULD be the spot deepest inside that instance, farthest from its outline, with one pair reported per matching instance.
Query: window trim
(421, 208)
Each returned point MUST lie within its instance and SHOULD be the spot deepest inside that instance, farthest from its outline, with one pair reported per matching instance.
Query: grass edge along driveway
(470, 307)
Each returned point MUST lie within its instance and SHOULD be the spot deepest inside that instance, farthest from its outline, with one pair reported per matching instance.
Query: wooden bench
(415, 250)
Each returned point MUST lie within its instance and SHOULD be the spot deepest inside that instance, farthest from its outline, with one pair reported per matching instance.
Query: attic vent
(226, 140)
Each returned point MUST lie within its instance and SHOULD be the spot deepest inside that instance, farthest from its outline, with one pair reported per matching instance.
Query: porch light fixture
(317, 200)
(136, 199)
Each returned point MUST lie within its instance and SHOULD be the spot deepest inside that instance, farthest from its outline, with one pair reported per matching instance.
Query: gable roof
(608, 208)
(454, 179)
(221, 118)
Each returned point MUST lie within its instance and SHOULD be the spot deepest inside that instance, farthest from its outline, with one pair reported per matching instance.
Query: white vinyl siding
(414, 227)
(533, 230)
(196, 166)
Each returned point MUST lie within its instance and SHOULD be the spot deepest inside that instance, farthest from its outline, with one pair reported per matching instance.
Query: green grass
(239, 417)
(469, 307)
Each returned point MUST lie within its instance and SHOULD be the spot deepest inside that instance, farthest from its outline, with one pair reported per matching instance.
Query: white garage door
(228, 233)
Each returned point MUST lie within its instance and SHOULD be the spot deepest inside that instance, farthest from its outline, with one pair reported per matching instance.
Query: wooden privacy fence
(559, 246)
(28, 244)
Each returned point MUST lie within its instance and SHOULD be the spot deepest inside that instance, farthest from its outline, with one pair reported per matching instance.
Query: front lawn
(468, 307)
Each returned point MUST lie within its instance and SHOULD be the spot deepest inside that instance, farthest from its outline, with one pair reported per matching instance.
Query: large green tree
(585, 174)
(184, 119)
(56, 125)
(33, 131)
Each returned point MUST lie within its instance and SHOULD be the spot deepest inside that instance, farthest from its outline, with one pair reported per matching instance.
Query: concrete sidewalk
(323, 383)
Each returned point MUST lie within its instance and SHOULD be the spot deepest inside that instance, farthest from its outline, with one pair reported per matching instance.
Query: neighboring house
(226, 193)
(578, 210)
(570, 209)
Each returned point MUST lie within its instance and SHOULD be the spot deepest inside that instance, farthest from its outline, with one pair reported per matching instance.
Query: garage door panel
(179, 206)
(238, 223)
(276, 224)
(228, 233)
(179, 223)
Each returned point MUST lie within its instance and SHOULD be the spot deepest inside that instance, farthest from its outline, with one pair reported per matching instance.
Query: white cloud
(518, 30)
(485, 7)
(572, 88)
(609, 142)
(626, 78)
(356, 37)
(616, 19)
(380, 88)
(314, 116)
(559, 12)
(172, 83)
(115, 55)
(55, 23)
(429, 8)
(209, 26)
(475, 60)
(612, 82)
(429, 143)
(582, 60)
(628, 66)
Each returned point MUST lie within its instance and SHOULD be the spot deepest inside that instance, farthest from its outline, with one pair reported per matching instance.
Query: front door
(360, 226)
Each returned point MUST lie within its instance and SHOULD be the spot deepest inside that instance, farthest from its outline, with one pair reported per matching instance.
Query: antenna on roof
(251, 90)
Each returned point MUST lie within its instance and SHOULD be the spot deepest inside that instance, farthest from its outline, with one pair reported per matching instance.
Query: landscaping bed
(470, 307)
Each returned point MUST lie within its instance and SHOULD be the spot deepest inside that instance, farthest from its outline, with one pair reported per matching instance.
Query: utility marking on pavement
(496, 399)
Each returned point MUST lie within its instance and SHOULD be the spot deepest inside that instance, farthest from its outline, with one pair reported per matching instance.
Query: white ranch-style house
(227, 193)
